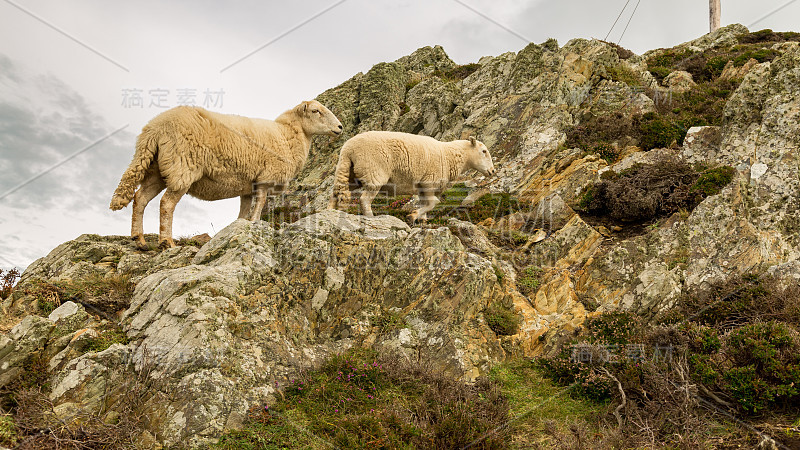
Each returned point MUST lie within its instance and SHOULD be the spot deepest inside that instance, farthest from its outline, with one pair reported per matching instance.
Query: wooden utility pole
(714, 14)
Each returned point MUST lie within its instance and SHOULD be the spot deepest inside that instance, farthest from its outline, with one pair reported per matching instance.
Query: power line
(629, 21)
(771, 12)
(615, 22)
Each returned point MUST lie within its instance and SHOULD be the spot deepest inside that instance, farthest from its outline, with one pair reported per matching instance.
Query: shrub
(739, 300)
(738, 343)
(623, 74)
(662, 63)
(48, 296)
(586, 377)
(456, 73)
(765, 365)
(126, 414)
(361, 400)
(622, 52)
(594, 131)
(647, 191)
(106, 338)
(711, 181)
(768, 36)
(613, 327)
(761, 55)
(389, 321)
(7, 282)
(503, 321)
(607, 152)
(643, 192)
(659, 132)
(104, 294)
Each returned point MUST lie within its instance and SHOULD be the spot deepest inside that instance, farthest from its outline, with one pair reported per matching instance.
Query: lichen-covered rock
(256, 305)
(22, 343)
(679, 81)
(69, 317)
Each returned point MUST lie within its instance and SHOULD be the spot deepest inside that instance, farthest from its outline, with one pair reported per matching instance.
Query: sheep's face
(317, 119)
(479, 157)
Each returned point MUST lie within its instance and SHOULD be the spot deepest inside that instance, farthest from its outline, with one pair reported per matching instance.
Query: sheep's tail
(146, 148)
(341, 182)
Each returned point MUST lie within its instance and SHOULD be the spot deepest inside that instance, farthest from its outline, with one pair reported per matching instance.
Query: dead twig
(622, 394)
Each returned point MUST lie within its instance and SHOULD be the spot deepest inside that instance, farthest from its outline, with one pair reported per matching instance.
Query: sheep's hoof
(166, 243)
(139, 242)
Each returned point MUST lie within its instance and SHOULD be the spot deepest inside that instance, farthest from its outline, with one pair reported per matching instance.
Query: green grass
(536, 401)
(389, 321)
(624, 74)
(107, 337)
(529, 280)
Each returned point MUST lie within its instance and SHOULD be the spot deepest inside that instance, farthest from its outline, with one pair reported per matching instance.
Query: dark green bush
(663, 63)
(503, 321)
(761, 55)
(711, 181)
(659, 132)
(607, 152)
(595, 131)
(586, 377)
(764, 367)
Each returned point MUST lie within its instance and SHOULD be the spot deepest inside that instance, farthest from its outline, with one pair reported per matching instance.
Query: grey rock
(69, 317)
(23, 342)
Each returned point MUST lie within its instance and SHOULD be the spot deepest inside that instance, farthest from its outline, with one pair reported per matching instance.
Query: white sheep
(404, 164)
(212, 156)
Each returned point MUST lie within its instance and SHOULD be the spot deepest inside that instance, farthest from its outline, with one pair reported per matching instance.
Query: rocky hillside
(624, 181)
(558, 119)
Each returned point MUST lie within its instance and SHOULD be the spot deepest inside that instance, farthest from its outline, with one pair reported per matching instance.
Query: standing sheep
(212, 156)
(402, 163)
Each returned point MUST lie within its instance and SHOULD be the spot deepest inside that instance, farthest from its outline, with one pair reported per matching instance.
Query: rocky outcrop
(254, 306)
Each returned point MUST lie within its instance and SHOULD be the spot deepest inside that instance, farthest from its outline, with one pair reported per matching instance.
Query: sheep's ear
(472, 141)
(305, 106)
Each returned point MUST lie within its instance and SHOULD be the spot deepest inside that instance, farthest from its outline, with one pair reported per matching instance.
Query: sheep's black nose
(340, 127)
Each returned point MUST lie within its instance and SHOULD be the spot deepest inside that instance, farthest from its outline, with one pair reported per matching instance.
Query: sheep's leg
(428, 199)
(168, 202)
(245, 206)
(368, 193)
(259, 200)
(151, 186)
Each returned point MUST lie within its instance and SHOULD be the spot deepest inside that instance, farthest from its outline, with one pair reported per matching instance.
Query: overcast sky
(78, 80)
